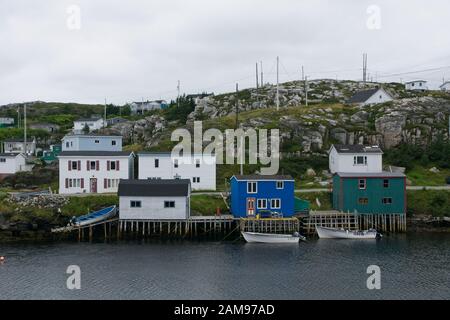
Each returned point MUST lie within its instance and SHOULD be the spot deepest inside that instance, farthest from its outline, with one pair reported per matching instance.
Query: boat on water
(94, 217)
(333, 233)
(255, 237)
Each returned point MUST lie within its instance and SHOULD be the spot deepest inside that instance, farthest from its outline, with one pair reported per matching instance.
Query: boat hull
(253, 237)
(331, 233)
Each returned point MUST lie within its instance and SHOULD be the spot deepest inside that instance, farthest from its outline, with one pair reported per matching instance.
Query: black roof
(9, 155)
(95, 153)
(88, 119)
(357, 148)
(263, 177)
(384, 174)
(30, 140)
(154, 188)
(362, 96)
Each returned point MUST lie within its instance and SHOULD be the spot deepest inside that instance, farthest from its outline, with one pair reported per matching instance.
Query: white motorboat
(255, 237)
(333, 233)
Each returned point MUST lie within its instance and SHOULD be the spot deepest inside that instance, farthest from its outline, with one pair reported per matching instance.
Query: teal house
(370, 193)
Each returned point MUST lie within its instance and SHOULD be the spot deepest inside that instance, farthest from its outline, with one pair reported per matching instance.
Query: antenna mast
(25, 128)
(278, 84)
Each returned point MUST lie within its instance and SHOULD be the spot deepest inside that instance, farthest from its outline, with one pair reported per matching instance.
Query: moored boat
(333, 233)
(96, 216)
(255, 237)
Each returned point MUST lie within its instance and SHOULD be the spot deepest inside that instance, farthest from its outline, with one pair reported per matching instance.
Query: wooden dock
(280, 226)
(388, 223)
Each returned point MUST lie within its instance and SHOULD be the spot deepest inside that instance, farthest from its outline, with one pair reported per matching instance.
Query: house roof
(444, 84)
(416, 81)
(370, 174)
(263, 177)
(154, 188)
(10, 155)
(31, 140)
(143, 153)
(92, 135)
(95, 154)
(88, 119)
(363, 96)
(357, 148)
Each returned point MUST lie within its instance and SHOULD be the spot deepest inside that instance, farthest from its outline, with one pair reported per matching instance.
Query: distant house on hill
(445, 86)
(416, 85)
(95, 123)
(369, 97)
(141, 107)
(6, 122)
(197, 97)
(17, 145)
(11, 163)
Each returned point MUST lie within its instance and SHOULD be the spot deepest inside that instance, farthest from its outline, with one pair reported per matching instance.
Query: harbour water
(412, 267)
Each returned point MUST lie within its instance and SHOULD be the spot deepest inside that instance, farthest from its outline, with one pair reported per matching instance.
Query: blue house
(253, 195)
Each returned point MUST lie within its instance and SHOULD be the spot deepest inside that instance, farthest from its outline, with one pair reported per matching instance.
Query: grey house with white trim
(154, 199)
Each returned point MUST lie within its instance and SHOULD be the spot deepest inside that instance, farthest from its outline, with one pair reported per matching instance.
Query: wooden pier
(280, 226)
(387, 223)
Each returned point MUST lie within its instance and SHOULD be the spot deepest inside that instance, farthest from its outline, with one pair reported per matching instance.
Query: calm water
(412, 267)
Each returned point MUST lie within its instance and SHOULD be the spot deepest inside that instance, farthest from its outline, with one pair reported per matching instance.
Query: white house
(445, 86)
(93, 171)
(141, 107)
(18, 146)
(355, 158)
(370, 97)
(154, 199)
(93, 123)
(416, 85)
(199, 169)
(91, 142)
(11, 163)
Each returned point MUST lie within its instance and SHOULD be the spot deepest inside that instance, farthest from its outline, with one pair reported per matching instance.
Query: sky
(87, 51)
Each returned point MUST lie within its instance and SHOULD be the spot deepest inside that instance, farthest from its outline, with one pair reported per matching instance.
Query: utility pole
(278, 84)
(18, 118)
(257, 75)
(178, 94)
(25, 128)
(303, 73)
(237, 105)
(262, 75)
(105, 123)
(364, 68)
(306, 91)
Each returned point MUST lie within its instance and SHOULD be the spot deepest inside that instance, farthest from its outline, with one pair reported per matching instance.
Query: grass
(206, 205)
(421, 176)
(323, 197)
(81, 205)
(429, 202)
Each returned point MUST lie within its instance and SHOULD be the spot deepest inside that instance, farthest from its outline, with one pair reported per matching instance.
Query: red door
(251, 206)
(93, 185)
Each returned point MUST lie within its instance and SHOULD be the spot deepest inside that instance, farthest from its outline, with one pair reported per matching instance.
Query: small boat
(95, 217)
(255, 237)
(333, 233)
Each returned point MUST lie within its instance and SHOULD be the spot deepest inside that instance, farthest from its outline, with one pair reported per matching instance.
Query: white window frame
(274, 206)
(282, 185)
(261, 206)
(249, 183)
(359, 184)
(136, 202)
(167, 204)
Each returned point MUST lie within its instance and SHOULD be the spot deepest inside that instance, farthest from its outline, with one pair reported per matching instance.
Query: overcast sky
(128, 50)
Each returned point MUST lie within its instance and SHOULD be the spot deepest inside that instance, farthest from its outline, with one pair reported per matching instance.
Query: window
(156, 163)
(362, 184)
(169, 204)
(175, 163)
(275, 203)
(135, 204)
(262, 203)
(280, 184)
(363, 201)
(252, 187)
(197, 163)
(67, 144)
(113, 165)
(97, 141)
(359, 160)
(386, 183)
(3, 160)
(113, 143)
(92, 165)
(387, 201)
(196, 179)
(74, 165)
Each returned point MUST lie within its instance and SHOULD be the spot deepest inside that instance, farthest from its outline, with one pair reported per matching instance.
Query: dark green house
(370, 193)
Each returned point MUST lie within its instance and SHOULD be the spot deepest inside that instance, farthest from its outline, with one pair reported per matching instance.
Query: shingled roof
(154, 188)
(356, 148)
(362, 96)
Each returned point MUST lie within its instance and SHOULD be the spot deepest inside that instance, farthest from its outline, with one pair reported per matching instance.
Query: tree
(86, 129)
